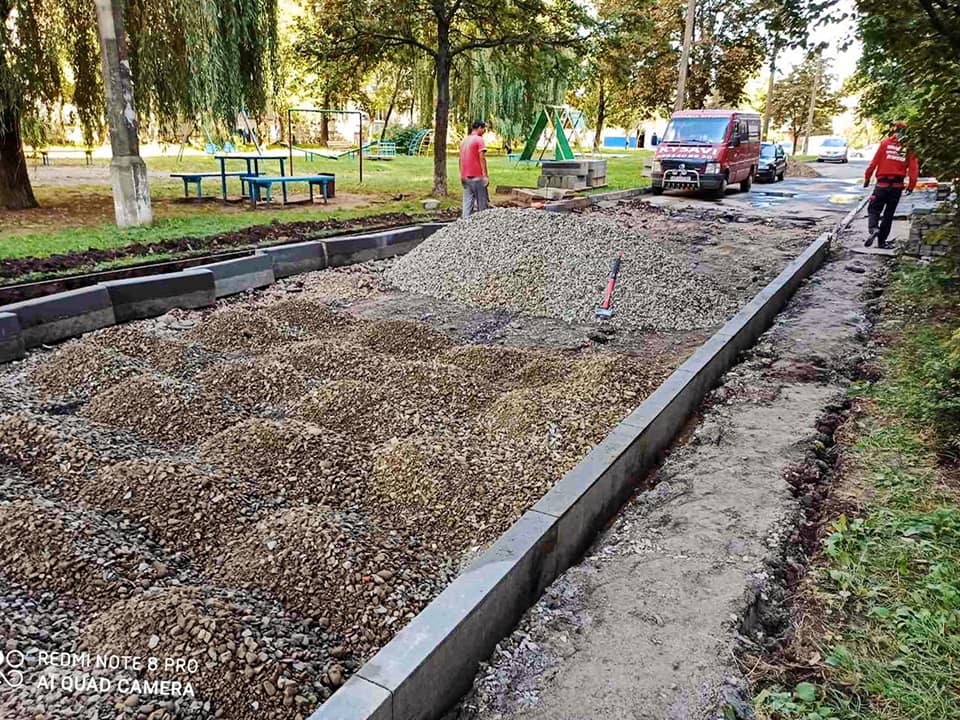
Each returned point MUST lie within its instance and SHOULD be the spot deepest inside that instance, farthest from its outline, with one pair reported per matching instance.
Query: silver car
(833, 150)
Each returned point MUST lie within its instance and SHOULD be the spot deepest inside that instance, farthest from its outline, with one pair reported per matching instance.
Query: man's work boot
(871, 237)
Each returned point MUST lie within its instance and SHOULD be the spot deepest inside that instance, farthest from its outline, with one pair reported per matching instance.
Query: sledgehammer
(605, 311)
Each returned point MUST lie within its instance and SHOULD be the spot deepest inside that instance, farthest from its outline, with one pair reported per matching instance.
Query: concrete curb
(231, 277)
(53, 318)
(430, 663)
(57, 317)
(297, 258)
(144, 297)
(11, 341)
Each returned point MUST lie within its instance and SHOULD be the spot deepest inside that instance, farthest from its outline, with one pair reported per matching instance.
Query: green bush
(403, 137)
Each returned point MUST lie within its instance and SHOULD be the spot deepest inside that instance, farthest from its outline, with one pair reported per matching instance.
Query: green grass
(888, 582)
(411, 177)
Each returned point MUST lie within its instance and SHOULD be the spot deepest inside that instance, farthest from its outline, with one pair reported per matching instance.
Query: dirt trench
(650, 623)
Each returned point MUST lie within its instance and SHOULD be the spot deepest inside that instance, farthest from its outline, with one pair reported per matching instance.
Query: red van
(708, 150)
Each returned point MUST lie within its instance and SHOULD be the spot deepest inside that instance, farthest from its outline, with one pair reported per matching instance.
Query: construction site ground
(268, 490)
(649, 625)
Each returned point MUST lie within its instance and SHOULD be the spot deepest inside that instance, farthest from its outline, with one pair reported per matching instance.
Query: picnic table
(252, 161)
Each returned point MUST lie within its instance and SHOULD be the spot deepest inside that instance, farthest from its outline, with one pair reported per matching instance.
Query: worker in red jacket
(893, 164)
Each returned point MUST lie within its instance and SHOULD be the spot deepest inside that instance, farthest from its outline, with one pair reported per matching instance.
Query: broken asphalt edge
(54, 318)
(422, 672)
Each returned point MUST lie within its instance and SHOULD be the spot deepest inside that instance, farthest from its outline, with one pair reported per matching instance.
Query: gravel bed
(272, 487)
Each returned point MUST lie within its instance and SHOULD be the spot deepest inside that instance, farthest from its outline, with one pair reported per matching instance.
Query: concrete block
(11, 341)
(357, 699)
(235, 276)
(432, 661)
(352, 250)
(57, 317)
(297, 258)
(152, 295)
(585, 499)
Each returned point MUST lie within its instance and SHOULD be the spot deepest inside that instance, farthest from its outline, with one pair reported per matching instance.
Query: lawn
(79, 215)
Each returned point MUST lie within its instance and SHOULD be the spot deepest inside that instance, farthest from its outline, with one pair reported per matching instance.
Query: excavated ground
(266, 491)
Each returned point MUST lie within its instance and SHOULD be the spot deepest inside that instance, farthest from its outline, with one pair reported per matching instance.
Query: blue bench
(256, 182)
(197, 179)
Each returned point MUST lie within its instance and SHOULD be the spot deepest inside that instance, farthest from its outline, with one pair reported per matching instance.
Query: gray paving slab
(297, 258)
(235, 276)
(358, 698)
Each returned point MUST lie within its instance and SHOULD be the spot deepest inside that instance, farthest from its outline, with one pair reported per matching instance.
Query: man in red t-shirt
(473, 170)
(893, 164)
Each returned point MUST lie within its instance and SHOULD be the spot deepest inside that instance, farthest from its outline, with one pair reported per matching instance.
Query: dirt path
(646, 626)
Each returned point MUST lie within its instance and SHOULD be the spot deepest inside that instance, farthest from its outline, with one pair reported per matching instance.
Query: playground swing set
(563, 125)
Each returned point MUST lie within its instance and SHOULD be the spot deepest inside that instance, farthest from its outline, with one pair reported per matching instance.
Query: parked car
(773, 162)
(833, 150)
(707, 150)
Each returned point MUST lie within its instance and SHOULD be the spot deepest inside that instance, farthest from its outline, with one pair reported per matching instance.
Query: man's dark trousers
(883, 205)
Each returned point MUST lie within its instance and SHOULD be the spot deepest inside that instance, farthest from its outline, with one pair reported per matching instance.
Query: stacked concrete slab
(54, 318)
(573, 174)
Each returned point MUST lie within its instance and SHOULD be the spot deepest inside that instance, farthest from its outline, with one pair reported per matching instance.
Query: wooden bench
(87, 155)
(197, 179)
(256, 182)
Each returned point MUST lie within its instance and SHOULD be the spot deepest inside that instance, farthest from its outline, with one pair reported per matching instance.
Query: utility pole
(767, 111)
(128, 172)
(685, 55)
(818, 70)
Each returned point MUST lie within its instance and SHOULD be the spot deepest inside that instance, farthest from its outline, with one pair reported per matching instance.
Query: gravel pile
(335, 570)
(328, 358)
(39, 451)
(50, 549)
(402, 338)
(264, 382)
(80, 368)
(492, 363)
(233, 329)
(161, 408)
(306, 317)
(556, 265)
(185, 507)
(253, 657)
(165, 354)
(298, 461)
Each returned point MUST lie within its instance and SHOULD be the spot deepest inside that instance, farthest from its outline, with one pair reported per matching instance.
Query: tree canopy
(187, 57)
(791, 98)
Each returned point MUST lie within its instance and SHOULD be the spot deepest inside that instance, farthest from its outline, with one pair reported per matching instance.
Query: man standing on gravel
(473, 170)
(893, 164)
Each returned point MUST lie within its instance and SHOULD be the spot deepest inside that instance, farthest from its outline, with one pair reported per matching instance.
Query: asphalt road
(838, 189)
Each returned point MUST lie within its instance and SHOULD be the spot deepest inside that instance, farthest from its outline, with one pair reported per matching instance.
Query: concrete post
(128, 173)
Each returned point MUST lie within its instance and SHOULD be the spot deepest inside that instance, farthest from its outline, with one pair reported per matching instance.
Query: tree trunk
(813, 108)
(325, 122)
(393, 101)
(601, 115)
(767, 111)
(15, 190)
(685, 55)
(441, 65)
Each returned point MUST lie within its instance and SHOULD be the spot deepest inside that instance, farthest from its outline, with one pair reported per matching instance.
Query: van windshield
(704, 130)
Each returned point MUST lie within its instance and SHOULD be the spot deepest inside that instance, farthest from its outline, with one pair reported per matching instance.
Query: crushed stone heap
(556, 265)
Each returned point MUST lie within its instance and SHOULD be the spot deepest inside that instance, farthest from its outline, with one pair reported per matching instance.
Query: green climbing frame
(558, 119)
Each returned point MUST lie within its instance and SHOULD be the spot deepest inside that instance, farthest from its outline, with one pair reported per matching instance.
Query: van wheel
(721, 191)
(745, 185)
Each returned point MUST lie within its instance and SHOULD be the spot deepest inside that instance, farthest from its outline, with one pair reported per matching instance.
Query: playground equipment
(420, 145)
(561, 122)
(320, 153)
(211, 147)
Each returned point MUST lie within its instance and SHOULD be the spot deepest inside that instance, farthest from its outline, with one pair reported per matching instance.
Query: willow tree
(187, 57)
(442, 30)
(509, 86)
